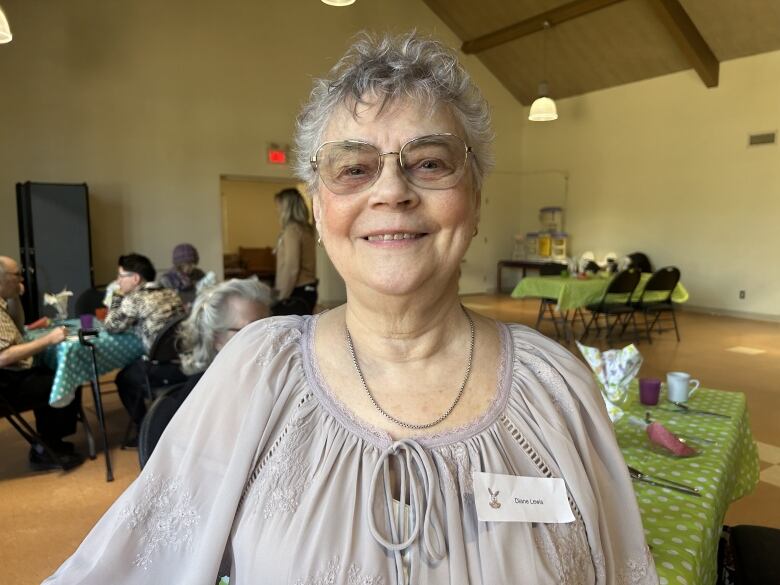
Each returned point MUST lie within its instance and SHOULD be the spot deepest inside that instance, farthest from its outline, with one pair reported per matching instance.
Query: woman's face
(437, 224)
(186, 267)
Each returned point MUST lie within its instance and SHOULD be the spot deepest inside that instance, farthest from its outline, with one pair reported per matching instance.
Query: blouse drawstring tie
(419, 477)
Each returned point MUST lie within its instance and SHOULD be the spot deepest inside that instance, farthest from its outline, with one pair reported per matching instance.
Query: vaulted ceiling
(595, 44)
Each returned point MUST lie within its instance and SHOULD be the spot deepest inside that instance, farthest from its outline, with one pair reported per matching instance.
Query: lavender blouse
(264, 476)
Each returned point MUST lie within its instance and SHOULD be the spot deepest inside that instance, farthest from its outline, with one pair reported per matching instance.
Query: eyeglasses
(436, 161)
(125, 274)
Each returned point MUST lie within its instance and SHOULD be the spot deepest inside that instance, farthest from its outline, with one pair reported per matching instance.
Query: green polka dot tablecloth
(683, 530)
(71, 362)
(572, 292)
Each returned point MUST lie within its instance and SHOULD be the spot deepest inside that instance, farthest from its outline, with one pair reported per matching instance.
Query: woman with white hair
(399, 438)
(219, 312)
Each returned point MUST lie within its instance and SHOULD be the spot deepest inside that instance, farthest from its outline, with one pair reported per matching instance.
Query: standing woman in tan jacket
(296, 280)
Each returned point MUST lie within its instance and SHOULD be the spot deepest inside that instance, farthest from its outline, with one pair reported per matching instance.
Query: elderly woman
(217, 315)
(399, 438)
(185, 274)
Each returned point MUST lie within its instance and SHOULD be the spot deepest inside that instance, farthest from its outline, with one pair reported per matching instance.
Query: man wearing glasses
(141, 305)
(27, 387)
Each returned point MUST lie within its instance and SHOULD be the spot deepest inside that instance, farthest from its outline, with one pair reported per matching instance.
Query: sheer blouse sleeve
(172, 524)
(572, 417)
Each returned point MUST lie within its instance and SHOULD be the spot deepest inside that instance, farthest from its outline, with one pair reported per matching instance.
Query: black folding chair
(661, 282)
(616, 302)
(755, 550)
(162, 365)
(157, 418)
(163, 357)
(640, 261)
(90, 300)
(14, 416)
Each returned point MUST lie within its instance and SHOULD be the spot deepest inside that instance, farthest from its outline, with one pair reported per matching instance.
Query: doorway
(250, 228)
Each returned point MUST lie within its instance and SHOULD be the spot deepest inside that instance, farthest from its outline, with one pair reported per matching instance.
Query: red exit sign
(276, 155)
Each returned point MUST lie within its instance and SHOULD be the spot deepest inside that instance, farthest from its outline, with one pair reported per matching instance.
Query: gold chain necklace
(389, 416)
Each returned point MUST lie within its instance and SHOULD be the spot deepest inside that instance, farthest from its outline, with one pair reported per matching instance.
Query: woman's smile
(395, 237)
(387, 239)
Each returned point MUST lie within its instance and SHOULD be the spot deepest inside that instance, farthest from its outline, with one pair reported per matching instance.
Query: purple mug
(86, 321)
(649, 391)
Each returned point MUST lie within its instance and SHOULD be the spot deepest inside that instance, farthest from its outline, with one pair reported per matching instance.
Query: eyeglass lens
(430, 162)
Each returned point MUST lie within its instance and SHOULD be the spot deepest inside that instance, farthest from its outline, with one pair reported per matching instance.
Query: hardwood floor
(46, 515)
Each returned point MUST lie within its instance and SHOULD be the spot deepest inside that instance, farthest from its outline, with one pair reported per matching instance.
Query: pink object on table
(40, 323)
(662, 436)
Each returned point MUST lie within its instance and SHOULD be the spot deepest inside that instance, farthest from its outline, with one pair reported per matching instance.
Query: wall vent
(763, 138)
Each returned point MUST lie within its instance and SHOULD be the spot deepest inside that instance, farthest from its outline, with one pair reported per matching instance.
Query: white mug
(678, 386)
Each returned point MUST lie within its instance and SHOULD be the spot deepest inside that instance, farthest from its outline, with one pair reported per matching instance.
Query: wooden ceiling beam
(689, 39)
(569, 11)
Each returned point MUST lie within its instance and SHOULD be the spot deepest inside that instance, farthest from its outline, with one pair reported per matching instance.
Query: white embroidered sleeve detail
(324, 576)
(565, 547)
(164, 517)
(280, 337)
(356, 577)
(328, 575)
(282, 475)
(552, 381)
(637, 569)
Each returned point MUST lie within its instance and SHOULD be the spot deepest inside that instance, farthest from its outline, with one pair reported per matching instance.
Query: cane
(84, 335)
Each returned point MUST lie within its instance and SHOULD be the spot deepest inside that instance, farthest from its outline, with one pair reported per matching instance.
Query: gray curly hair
(197, 335)
(409, 66)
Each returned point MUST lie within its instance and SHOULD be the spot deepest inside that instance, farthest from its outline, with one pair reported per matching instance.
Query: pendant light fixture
(338, 2)
(5, 30)
(543, 109)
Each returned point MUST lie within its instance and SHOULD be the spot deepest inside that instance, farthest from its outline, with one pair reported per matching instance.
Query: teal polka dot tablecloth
(683, 530)
(71, 362)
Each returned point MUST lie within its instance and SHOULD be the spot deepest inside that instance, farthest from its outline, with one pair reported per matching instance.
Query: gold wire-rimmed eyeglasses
(435, 161)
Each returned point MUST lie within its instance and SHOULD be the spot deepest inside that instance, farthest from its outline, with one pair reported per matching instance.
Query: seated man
(26, 386)
(141, 305)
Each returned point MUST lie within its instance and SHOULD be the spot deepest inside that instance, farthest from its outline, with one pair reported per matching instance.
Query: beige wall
(662, 166)
(151, 102)
(249, 216)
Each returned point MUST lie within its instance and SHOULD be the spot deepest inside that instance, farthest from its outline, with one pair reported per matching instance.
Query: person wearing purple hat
(185, 273)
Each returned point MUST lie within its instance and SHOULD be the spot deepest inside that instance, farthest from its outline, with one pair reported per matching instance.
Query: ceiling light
(543, 109)
(5, 30)
(338, 2)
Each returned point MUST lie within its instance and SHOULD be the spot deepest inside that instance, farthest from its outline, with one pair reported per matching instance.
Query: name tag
(511, 498)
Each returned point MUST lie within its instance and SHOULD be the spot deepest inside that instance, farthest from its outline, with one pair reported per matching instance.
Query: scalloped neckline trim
(381, 439)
